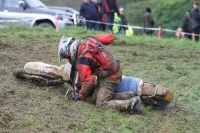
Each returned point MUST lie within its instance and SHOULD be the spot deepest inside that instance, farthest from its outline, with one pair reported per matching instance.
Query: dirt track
(25, 107)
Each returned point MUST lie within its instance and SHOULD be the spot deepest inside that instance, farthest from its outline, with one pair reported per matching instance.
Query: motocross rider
(92, 57)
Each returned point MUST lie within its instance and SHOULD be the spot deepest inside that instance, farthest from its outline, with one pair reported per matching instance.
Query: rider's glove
(76, 97)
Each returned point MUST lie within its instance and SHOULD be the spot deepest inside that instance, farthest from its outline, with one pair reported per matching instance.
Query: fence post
(75, 21)
(56, 22)
(159, 32)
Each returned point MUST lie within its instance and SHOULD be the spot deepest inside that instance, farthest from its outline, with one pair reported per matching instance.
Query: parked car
(32, 13)
(29, 19)
(77, 19)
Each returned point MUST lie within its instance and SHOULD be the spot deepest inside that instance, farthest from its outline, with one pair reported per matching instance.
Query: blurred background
(167, 13)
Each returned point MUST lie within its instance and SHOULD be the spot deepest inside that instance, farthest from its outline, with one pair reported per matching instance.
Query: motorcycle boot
(136, 104)
(152, 90)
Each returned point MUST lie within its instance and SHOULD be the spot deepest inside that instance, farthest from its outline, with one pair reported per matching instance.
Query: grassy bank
(25, 107)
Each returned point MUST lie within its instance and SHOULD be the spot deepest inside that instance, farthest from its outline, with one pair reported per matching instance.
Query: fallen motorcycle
(46, 74)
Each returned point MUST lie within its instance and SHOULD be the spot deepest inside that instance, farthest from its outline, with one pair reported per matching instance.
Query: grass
(25, 107)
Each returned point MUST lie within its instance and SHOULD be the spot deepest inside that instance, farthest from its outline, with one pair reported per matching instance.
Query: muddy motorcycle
(46, 74)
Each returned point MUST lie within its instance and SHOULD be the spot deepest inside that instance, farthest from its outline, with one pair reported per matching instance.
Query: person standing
(148, 21)
(122, 29)
(195, 21)
(89, 11)
(102, 25)
(110, 7)
(186, 26)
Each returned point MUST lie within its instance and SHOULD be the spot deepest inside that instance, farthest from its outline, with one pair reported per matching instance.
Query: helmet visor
(62, 48)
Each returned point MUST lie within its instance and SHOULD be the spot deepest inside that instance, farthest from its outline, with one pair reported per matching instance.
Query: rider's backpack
(105, 39)
(96, 45)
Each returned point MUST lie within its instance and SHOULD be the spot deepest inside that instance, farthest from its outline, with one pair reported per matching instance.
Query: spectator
(121, 20)
(179, 34)
(148, 21)
(89, 11)
(122, 29)
(195, 21)
(102, 19)
(186, 25)
(110, 7)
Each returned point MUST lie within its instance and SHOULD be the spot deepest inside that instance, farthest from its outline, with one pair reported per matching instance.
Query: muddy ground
(26, 107)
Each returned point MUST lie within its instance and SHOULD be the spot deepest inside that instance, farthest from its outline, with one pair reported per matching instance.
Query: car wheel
(45, 25)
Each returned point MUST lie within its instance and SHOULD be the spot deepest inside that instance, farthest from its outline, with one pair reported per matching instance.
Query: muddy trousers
(105, 95)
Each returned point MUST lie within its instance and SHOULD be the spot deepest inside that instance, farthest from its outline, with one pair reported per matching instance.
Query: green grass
(25, 107)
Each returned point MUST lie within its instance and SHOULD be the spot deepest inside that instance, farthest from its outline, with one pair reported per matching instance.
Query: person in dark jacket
(148, 21)
(122, 29)
(186, 26)
(110, 7)
(195, 21)
(102, 25)
(89, 11)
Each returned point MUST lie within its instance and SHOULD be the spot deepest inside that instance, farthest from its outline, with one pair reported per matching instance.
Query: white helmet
(67, 48)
